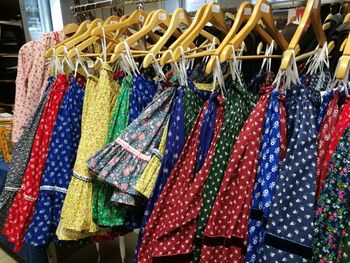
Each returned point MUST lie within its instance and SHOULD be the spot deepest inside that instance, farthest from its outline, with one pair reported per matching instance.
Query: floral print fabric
(180, 188)
(20, 158)
(122, 162)
(266, 177)
(59, 167)
(332, 213)
(22, 208)
(289, 230)
(99, 100)
(105, 213)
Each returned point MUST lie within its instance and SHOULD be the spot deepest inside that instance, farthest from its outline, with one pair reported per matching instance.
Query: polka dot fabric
(238, 106)
(182, 187)
(22, 209)
(59, 167)
(267, 175)
(20, 158)
(332, 213)
(187, 104)
(225, 235)
(289, 230)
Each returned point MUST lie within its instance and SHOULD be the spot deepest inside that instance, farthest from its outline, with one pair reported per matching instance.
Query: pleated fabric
(20, 157)
(58, 168)
(99, 100)
(105, 213)
(225, 235)
(289, 232)
(187, 104)
(267, 175)
(180, 188)
(22, 208)
(332, 213)
(239, 105)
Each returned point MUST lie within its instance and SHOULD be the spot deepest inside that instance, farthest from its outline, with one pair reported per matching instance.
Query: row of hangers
(131, 31)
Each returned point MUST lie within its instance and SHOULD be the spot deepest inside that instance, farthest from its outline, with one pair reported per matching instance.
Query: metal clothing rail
(107, 4)
(300, 3)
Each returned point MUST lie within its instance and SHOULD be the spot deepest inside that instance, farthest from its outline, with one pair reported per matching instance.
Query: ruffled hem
(76, 217)
(6, 200)
(46, 218)
(105, 213)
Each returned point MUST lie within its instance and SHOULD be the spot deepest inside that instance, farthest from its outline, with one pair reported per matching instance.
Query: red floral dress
(22, 208)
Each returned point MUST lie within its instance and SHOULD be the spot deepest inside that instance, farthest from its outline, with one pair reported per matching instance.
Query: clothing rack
(76, 9)
(300, 3)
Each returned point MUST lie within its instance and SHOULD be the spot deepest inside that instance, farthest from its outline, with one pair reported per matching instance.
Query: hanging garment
(31, 85)
(104, 212)
(332, 212)
(341, 123)
(326, 99)
(289, 230)
(266, 177)
(177, 191)
(146, 182)
(237, 110)
(20, 158)
(22, 208)
(187, 104)
(59, 167)
(99, 100)
(142, 93)
(225, 235)
(122, 162)
(326, 133)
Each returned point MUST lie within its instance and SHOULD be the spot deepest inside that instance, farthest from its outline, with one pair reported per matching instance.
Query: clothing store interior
(174, 131)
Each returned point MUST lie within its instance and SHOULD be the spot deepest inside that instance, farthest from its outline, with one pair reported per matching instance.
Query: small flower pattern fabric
(326, 99)
(237, 109)
(288, 236)
(99, 100)
(105, 213)
(266, 177)
(20, 158)
(332, 213)
(325, 136)
(121, 162)
(187, 104)
(142, 93)
(341, 124)
(59, 167)
(179, 189)
(22, 208)
(30, 85)
(146, 182)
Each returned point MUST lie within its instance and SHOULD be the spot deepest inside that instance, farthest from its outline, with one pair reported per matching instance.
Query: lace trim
(53, 188)
(157, 153)
(81, 177)
(12, 189)
(29, 198)
(131, 149)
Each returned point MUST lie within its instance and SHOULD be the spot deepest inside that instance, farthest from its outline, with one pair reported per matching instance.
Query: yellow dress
(149, 176)
(100, 97)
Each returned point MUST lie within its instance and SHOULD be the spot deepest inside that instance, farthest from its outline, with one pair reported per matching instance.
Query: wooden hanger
(81, 30)
(344, 62)
(70, 29)
(180, 16)
(262, 11)
(76, 40)
(92, 39)
(213, 14)
(312, 11)
(243, 15)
